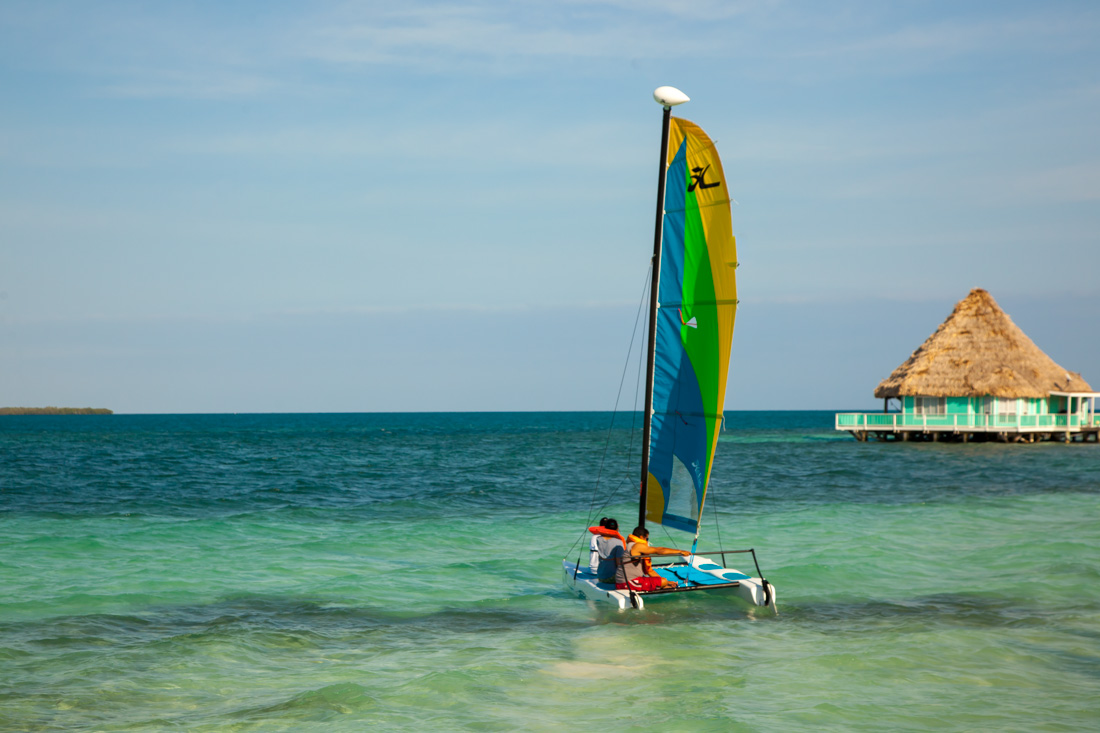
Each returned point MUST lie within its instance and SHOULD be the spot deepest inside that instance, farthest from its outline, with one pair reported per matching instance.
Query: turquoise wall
(958, 405)
(975, 405)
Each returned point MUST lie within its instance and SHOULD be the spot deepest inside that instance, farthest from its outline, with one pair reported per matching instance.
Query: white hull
(584, 584)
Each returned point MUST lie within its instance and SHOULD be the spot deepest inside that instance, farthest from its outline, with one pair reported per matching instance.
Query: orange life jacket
(647, 564)
(608, 533)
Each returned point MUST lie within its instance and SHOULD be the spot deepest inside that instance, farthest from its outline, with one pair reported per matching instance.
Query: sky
(445, 206)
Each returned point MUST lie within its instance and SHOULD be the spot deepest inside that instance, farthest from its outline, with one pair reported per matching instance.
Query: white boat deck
(696, 573)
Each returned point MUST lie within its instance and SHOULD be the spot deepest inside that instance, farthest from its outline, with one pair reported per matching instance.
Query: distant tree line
(55, 411)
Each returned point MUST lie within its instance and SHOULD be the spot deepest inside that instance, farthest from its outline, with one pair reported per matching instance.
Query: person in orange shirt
(638, 545)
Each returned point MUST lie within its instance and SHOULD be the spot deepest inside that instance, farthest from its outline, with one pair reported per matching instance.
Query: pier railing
(898, 420)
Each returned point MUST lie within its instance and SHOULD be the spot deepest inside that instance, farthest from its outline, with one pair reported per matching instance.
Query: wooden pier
(967, 428)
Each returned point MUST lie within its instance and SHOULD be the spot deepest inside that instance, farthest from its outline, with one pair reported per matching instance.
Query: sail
(697, 304)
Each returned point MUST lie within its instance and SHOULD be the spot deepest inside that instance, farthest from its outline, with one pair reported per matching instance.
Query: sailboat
(693, 303)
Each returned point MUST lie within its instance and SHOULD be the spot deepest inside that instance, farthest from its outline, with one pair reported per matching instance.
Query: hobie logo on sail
(697, 176)
(690, 323)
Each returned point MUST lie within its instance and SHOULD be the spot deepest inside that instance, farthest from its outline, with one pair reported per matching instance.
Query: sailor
(637, 544)
(606, 540)
(593, 551)
(602, 530)
(630, 573)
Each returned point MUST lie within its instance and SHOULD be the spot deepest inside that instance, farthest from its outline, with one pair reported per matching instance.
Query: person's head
(611, 524)
(603, 521)
(641, 532)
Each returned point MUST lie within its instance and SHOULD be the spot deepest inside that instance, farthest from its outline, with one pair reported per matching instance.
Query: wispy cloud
(128, 50)
(704, 10)
(1074, 183)
(167, 51)
(217, 83)
(968, 35)
(515, 142)
(436, 38)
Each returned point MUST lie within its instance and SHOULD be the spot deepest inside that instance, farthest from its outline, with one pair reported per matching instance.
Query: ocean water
(402, 572)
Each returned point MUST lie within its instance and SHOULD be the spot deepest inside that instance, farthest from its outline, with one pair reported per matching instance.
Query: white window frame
(936, 406)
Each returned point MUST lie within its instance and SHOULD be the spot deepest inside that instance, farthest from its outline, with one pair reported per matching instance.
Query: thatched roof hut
(979, 351)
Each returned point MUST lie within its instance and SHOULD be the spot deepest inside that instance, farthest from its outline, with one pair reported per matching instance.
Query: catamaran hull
(584, 584)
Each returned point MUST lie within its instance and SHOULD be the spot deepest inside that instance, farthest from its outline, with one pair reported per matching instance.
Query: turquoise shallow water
(401, 572)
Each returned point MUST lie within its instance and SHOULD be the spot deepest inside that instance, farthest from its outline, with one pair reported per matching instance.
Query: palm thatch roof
(979, 351)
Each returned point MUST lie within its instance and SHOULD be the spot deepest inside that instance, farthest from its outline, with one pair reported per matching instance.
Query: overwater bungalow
(979, 377)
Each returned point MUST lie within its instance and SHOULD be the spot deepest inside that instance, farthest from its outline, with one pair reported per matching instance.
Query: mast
(667, 97)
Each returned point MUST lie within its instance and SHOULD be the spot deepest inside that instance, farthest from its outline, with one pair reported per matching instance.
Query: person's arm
(651, 550)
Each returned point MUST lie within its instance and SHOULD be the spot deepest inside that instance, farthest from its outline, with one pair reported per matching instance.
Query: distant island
(55, 411)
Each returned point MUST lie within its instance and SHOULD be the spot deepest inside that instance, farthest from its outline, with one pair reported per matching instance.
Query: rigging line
(671, 539)
(711, 144)
(717, 530)
(613, 494)
(625, 481)
(713, 505)
(614, 412)
(688, 582)
(642, 358)
(686, 578)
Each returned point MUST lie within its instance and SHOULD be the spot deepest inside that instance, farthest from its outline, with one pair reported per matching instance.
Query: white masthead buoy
(669, 96)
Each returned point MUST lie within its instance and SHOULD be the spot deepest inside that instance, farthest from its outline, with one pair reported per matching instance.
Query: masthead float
(692, 307)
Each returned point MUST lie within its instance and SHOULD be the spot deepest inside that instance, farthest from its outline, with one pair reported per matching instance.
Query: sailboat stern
(583, 582)
(693, 575)
(753, 591)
